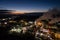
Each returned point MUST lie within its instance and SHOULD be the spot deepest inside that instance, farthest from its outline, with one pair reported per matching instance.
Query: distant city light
(30, 22)
(5, 22)
(31, 26)
(3, 19)
(9, 18)
(41, 34)
(26, 23)
(22, 20)
(18, 30)
(24, 29)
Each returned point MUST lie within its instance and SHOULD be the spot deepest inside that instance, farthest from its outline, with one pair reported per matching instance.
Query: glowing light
(26, 23)
(3, 19)
(5, 22)
(17, 12)
(31, 25)
(24, 29)
(38, 23)
(30, 22)
(45, 30)
(12, 21)
(41, 34)
(18, 30)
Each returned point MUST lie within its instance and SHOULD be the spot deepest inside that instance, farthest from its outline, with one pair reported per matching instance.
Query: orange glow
(40, 24)
(17, 12)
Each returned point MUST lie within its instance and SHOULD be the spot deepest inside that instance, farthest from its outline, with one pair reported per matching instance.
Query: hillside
(53, 15)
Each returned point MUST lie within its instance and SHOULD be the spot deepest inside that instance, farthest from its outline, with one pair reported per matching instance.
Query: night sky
(29, 5)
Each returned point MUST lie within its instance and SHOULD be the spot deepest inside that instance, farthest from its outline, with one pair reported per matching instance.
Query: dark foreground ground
(27, 36)
(14, 37)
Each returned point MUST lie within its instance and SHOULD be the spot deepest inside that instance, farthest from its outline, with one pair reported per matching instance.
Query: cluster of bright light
(44, 30)
(4, 23)
(24, 29)
(18, 30)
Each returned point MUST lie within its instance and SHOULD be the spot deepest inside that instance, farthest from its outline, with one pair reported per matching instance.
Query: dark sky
(29, 5)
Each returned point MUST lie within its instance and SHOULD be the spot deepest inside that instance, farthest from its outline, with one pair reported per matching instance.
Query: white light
(37, 33)
(41, 34)
(5, 22)
(3, 19)
(13, 29)
(48, 36)
(30, 22)
(24, 29)
(31, 26)
(18, 30)
(44, 30)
